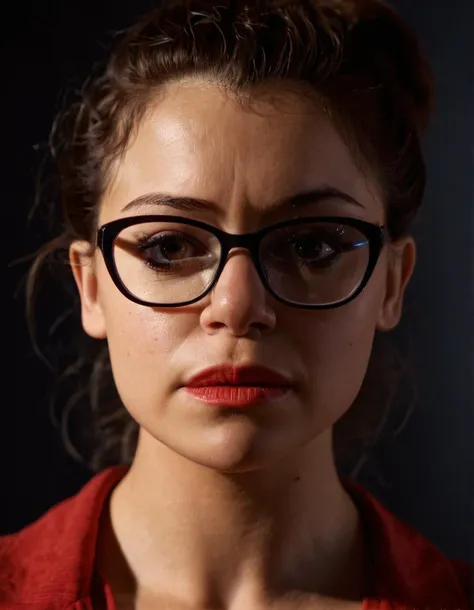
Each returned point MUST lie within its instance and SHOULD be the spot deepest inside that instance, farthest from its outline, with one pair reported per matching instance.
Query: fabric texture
(49, 565)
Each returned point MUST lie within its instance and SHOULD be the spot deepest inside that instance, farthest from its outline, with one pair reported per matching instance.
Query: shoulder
(465, 573)
(27, 556)
(406, 566)
(49, 559)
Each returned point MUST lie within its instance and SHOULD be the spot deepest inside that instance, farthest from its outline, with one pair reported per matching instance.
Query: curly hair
(356, 57)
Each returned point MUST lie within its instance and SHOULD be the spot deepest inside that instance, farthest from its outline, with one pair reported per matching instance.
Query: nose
(239, 303)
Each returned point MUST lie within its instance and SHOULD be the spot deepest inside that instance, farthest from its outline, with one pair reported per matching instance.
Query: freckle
(296, 479)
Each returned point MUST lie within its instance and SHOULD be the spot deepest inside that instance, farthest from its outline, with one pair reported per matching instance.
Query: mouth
(238, 387)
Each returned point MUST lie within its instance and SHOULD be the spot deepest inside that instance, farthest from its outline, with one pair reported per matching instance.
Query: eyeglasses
(309, 263)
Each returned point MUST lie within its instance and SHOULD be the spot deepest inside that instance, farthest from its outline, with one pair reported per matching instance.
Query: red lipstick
(237, 387)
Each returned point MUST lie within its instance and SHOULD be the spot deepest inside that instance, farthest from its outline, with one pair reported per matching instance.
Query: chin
(239, 445)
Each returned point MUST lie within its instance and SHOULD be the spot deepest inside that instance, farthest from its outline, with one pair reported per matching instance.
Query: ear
(401, 264)
(85, 274)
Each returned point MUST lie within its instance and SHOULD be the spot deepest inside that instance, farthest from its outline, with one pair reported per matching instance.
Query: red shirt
(49, 565)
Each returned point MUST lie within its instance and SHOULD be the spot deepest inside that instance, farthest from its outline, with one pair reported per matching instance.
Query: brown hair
(356, 56)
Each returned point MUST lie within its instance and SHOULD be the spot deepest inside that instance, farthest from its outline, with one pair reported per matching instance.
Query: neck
(211, 538)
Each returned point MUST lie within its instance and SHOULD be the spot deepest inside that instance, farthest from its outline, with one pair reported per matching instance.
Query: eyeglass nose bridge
(247, 241)
(244, 241)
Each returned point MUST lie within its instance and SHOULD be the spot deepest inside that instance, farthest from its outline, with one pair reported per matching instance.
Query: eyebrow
(190, 204)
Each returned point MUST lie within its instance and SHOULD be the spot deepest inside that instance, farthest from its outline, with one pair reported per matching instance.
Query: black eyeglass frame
(108, 232)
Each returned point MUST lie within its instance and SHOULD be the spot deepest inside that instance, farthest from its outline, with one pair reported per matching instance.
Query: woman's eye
(172, 247)
(168, 248)
(312, 248)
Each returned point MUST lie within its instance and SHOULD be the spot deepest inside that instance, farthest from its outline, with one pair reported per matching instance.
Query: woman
(238, 187)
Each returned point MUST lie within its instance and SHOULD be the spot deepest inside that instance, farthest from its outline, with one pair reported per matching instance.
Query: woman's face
(197, 143)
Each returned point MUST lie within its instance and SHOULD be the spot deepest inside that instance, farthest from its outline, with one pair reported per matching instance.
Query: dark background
(427, 476)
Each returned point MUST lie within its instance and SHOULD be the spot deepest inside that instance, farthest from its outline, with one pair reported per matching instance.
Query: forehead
(198, 140)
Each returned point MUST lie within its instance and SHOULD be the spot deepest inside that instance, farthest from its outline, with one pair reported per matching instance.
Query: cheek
(142, 343)
(337, 350)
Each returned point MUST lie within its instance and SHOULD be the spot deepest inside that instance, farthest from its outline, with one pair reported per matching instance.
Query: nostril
(215, 325)
(240, 320)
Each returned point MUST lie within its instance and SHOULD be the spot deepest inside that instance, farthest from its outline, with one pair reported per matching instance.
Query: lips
(238, 387)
